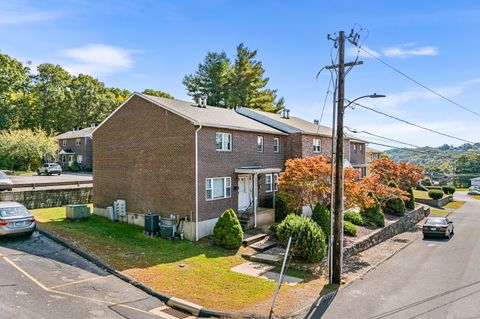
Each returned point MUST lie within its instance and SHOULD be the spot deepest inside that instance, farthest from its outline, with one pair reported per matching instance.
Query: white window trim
(64, 143)
(268, 186)
(78, 142)
(260, 137)
(227, 185)
(79, 159)
(315, 140)
(275, 179)
(224, 148)
(277, 141)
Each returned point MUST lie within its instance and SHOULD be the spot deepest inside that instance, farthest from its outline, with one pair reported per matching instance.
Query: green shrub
(426, 181)
(410, 204)
(349, 229)
(353, 217)
(74, 167)
(228, 232)
(434, 187)
(321, 216)
(392, 184)
(374, 215)
(449, 190)
(282, 208)
(308, 239)
(435, 193)
(395, 206)
(273, 228)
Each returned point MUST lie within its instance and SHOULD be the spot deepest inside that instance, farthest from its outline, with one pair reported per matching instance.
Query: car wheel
(38, 173)
(425, 236)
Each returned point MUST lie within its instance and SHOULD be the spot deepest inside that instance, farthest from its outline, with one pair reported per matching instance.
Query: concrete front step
(267, 258)
(261, 246)
(248, 240)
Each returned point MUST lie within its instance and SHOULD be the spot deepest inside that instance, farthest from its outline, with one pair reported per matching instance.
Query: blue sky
(153, 44)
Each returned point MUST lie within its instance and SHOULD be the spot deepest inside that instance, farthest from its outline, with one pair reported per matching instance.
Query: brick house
(75, 147)
(188, 159)
(309, 138)
(372, 154)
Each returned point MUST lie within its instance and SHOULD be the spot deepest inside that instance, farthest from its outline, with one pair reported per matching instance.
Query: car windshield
(14, 212)
(436, 221)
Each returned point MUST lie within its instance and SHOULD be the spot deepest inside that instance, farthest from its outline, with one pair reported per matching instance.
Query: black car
(438, 226)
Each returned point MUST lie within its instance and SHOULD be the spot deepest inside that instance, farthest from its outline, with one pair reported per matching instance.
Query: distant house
(475, 182)
(307, 138)
(188, 159)
(371, 155)
(75, 147)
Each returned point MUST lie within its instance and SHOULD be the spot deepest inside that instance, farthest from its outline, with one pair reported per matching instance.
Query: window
(216, 188)
(276, 144)
(317, 145)
(64, 159)
(259, 143)
(78, 142)
(355, 148)
(268, 183)
(64, 143)
(79, 159)
(275, 178)
(224, 141)
(361, 148)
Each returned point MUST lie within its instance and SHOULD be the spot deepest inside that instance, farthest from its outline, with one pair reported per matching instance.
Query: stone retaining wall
(401, 225)
(43, 198)
(435, 202)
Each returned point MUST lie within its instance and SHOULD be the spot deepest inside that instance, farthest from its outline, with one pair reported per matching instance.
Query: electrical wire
(413, 124)
(419, 83)
(382, 137)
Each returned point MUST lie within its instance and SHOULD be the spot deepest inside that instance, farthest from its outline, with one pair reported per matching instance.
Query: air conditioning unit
(120, 207)
(168, 231)
(152, 224)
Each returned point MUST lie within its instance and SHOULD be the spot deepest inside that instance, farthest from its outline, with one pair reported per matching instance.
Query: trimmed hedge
(228, 232)
(410, 204)
(308, 239)
(435, 193)
(374, 216)
(449, 190)
(353, 217)
(395, 206)
(349, 229)
(282, 208)
(321, 216)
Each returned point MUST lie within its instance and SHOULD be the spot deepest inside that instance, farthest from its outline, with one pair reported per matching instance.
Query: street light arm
(371, 96)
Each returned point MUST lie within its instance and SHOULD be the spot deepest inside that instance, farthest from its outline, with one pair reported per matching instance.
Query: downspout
(196, 181)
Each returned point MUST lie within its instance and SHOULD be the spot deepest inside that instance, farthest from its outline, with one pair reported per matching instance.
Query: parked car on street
(15, 219)
(438, 226)
(49, 169)
(5, 182)
(474, 190)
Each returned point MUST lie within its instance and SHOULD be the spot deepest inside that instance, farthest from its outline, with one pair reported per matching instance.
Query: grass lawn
(438, 211)
(198, 272)
(421, 194)
(475, 196)
(454, 204)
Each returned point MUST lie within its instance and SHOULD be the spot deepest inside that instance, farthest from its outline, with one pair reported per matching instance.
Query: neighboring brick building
(75, 147)
(176, 157)
(309, 138)
(372, 154)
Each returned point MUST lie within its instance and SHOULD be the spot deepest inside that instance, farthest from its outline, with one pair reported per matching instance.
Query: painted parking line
(78, 282)
(42, 286)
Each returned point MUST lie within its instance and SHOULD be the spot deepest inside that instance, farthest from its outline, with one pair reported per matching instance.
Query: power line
(418, 83)
(413, 124)
(383, 137)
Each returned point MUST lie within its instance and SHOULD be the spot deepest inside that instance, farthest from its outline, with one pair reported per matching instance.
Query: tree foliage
(157, 93)
(405, 175)
(231, 85)
(26, 148)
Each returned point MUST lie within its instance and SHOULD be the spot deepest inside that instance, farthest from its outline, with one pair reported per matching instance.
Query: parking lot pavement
(42, 279)
(65, 177)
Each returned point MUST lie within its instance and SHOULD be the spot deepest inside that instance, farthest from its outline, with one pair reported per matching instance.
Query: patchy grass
(198, 272)
(454, 204)
(475, 196)
(421, 194)
(438, 211)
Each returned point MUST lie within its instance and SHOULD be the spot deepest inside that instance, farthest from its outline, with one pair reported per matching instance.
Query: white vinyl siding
(259, 143)
(317, 145)
(223, 141)
(217, 188)
(276, 144)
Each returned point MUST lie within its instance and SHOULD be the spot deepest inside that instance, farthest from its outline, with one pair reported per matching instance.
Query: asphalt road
(41, 279)
(434, 278)
(65, 177)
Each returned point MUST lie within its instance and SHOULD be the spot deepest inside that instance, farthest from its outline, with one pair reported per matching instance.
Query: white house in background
(475, 181)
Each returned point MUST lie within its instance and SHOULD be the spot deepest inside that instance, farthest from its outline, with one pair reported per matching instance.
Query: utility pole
(337, 249)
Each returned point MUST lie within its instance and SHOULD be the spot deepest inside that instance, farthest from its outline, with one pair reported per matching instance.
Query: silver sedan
(5, 182)
(15, 219)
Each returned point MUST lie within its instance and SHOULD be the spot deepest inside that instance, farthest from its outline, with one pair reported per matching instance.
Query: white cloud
(17, 13)
(98, 59)
(409, 50)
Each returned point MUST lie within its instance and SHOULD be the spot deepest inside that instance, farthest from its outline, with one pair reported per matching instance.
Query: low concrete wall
(44, 198)
(435, 202)
(401, 225)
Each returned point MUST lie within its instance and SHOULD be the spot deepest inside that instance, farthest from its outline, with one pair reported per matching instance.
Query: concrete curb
(193, 309)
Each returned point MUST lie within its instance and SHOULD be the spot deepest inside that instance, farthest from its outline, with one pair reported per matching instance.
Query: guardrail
(48, 184)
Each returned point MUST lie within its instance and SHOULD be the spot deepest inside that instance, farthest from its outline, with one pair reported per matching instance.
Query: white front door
(244, 191)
